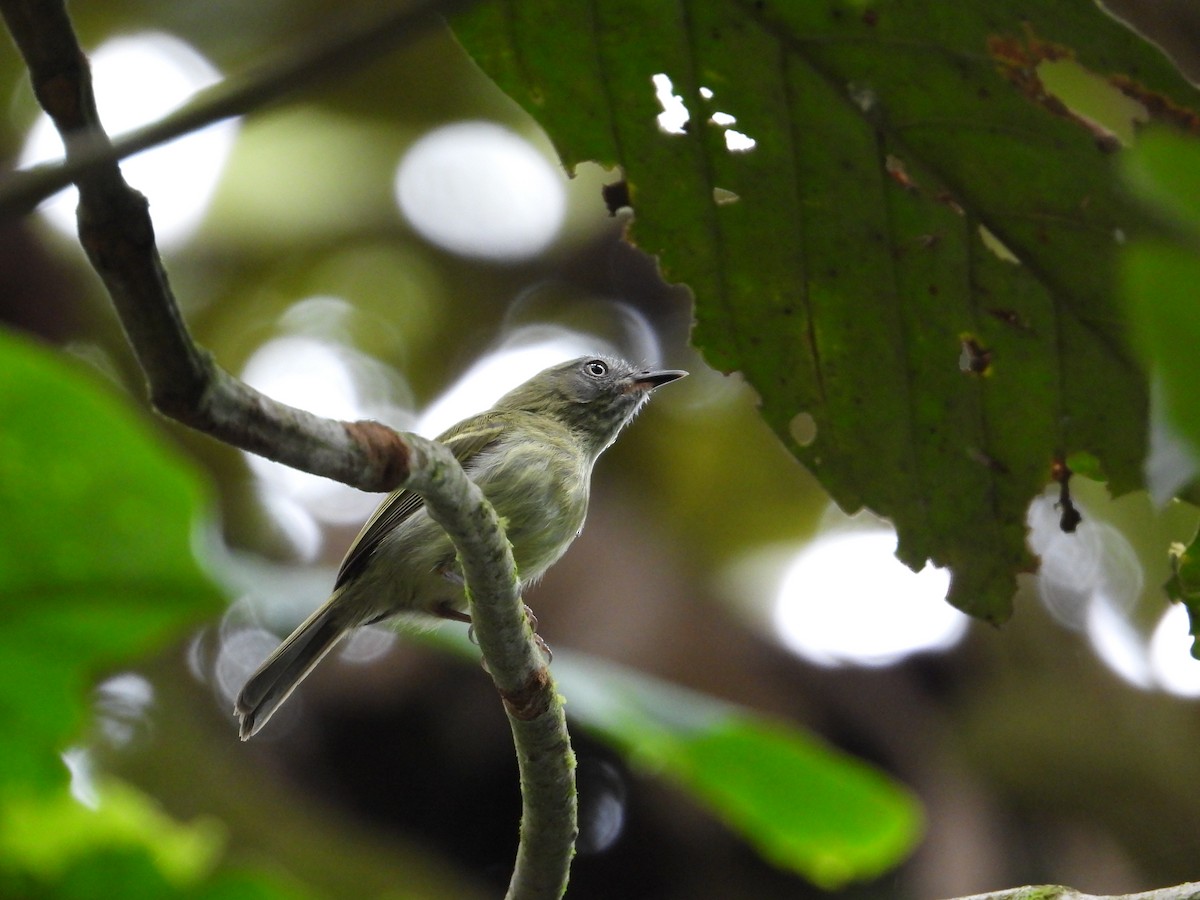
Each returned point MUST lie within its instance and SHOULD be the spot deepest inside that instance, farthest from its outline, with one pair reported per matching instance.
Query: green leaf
(45, 834)
(921, 251)
(54, 846)
(131, 872)
(1160, 273)
(1184, 587)
(803, 805)
(96, 551)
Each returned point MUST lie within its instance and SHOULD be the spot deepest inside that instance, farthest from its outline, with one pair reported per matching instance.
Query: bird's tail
(288, 666)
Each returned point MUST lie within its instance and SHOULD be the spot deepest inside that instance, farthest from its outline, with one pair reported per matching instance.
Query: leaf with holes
(893, 229)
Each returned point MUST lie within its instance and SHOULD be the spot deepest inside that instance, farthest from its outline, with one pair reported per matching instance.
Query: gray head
(594, 396)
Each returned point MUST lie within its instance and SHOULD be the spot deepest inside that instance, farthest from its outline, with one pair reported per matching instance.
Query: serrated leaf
(96, 556)
(921, 250)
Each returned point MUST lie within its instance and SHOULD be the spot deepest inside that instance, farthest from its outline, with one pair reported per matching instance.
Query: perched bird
(531, 454)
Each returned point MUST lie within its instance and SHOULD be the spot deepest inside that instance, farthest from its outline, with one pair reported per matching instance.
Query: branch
(186, 384)
(1058, 892)
(535, 710)
(350, 47)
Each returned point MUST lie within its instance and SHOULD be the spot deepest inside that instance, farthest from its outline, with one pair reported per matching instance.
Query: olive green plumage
(531, 454)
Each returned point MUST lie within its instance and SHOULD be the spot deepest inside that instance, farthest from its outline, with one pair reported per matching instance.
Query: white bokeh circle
(139, 79)
(477, 189)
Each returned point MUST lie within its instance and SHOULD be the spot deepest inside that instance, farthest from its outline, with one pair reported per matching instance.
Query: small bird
(531, 455)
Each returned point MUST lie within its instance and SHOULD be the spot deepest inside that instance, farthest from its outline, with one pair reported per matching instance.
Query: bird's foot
(447, 612)
(537, 638)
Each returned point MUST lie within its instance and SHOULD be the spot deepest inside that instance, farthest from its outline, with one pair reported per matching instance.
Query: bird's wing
(465, 440)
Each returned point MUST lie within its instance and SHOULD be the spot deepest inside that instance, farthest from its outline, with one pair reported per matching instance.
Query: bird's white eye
(596, 369)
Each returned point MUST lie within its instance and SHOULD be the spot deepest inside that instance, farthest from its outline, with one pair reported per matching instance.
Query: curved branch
(535, 710)
(117, 234)
(185, 383)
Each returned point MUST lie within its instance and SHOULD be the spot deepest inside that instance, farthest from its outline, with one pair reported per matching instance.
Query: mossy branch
(1189, 891)
(518, 667)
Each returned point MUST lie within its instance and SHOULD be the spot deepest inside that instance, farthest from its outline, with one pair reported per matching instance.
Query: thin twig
(185, 383)
(347, 48)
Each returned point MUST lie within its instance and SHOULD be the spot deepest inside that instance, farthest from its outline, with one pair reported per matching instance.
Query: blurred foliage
(96, 552)
(1160, 273)
(46, 834)
(75, 519)
(97, 567)
(901, 263)
(803, 805)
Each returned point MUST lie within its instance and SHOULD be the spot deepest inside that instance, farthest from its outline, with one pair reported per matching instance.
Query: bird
(531, 454)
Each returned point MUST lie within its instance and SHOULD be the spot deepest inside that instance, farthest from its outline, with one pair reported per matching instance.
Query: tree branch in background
(185, 383)
(347, 48)
(1058, 892)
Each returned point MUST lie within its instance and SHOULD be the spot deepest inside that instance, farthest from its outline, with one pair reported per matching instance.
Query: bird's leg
(445, 611)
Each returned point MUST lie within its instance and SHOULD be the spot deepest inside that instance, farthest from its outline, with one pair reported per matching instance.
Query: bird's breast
(540, 492)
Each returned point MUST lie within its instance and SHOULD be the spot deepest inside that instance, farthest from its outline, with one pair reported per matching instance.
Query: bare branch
(349, 47)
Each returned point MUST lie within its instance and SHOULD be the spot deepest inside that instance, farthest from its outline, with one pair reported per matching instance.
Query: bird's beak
(655, 378)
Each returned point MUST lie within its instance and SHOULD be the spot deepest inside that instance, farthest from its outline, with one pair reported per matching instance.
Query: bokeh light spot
(327, 379)
(82, 766)
(1090, 580)
(846, 599)
(477, 189)
(138, 79)
(1174, 667)
(123, 703)
(367, 644)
